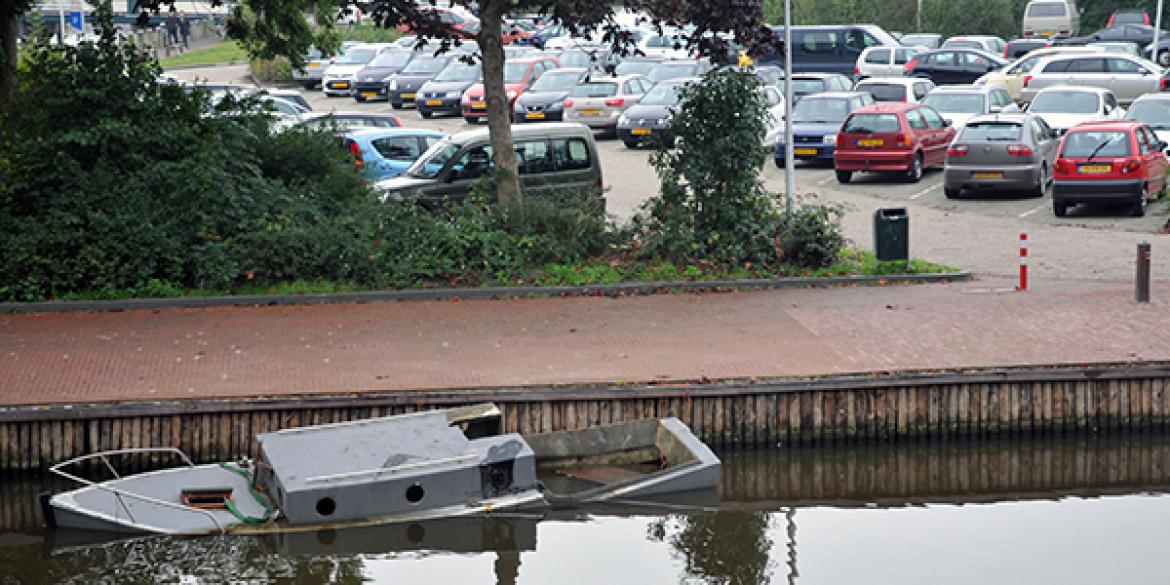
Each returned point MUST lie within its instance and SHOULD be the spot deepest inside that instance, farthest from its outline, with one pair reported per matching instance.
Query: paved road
(979, 233)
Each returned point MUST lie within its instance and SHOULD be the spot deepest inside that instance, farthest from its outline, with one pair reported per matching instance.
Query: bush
(810, 236)
(276, 70)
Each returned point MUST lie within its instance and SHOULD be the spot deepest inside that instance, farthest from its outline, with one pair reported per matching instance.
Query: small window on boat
(207, 498)
(326, 506)
(416, 533)
(415, 493)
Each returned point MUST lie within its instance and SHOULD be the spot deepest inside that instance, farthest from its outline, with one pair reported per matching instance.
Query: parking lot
(978, 233)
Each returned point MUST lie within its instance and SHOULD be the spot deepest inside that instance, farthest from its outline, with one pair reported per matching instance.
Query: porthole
(326, 506)
(415, 493)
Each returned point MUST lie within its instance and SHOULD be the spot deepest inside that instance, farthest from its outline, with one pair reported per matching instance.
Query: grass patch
(224, 52)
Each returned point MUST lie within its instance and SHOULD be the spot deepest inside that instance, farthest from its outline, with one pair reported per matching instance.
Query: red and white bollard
(1023, 286)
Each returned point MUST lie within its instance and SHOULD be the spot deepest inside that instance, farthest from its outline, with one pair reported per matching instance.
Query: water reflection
(878, 513)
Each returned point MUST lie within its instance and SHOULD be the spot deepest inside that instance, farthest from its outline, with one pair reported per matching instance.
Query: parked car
(1017, 48)
(545, 100)
(1118, 162)
(517, 29)
(948, 66)
(1154, 110)
(381, 153)
(1129, 16)
(895, 89)
(1120, 47)
(596, 59)
(1012, 77)
(831, 48)
(403, 86)
(1001, 152)
(636, 66)
(959, 103)
(815, 122)
(774, 121)
(678, 69)
(1065, 106)
(650, 117)
(460, 23)
(551, 157)
(883, 61)
(541, 37)
(444, 93)
(924, 40)
(669, 45)
(989, 44)
(1126, 77)
(350, 120)
(369, 83)
(1051, 18)
(806, 84)
(518, 76)
(1141, 34)
(599, 102)
(337, 79)
(892, 138)
(315, 64)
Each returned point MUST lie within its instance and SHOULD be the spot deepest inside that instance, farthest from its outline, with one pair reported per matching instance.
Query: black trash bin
(891, 234)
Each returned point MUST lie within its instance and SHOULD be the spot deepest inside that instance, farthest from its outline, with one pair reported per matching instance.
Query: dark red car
(1114, 162)
(892, 137)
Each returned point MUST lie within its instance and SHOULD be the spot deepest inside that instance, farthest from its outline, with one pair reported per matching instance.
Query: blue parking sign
(76, 20)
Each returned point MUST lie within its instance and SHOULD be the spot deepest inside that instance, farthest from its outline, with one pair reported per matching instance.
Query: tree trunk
(499, 112)
(9, 22)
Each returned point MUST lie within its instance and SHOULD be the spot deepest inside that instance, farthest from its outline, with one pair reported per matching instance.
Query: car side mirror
(1160, 145)
(946, 123)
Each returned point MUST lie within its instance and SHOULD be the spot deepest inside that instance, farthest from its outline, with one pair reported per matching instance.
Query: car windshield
(356, 57)
(425, 65)
(991, 131)
(391, 59)
(594, 90)
(515, 72)
(884, 92)
(670, 72)
(1084, 144)
(1129, 18)
(432, 161)
(1156, 113)
(919, 41)
(574, 59)
(1046, 9)
(663, 94)
(872, 124)
(803, 86)
(963, 45)
(557, 81)
(1065, 102)
(820, 111)
(635, 67)
(458, 71)
(955, 103)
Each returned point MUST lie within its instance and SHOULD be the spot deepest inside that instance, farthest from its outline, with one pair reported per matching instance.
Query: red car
(1113, 162)
(892, 137)
(519, 75)
(462, 24)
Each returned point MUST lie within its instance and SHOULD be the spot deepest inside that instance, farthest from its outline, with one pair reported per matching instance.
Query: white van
(1052, 18)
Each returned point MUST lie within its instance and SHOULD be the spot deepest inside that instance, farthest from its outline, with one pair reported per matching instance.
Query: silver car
(599, 102)
(1127, 77)
(959, 103)
(1001, 152)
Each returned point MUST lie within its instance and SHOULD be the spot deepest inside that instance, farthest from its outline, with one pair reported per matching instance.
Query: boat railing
(119, 494)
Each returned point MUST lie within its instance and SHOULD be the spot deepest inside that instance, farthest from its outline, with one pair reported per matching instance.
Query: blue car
(381, 153)
(815, 121)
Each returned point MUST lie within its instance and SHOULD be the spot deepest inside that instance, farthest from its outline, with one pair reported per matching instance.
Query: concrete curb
(485, 293)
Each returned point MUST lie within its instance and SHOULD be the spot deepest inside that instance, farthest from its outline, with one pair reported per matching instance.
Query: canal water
(1054, 510)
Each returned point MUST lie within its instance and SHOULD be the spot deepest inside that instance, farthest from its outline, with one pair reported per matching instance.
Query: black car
(545, 100)
(650, 117)
(401, 88)
(1019, 47)
(444, 92)
(950, 66)
(369, 83)
(1133, 33)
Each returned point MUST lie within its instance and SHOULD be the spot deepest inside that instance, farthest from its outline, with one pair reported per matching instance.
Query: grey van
(831, 48)
(552, 158)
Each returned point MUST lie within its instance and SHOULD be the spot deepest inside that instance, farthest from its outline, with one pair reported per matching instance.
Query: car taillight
(1027, 78)
(1165, 82)
(568, 103)
(1063, 167)
(910, 66)
(957, 150)
(1131, 166)
(856, 70)
(902, 141)
(1019, 150)
(1005, 52)
(356, 151)
(615, 102)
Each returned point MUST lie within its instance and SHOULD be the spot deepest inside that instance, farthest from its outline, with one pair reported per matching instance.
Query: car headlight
(511, 95)
(393, 82)
(830, 139)
(623, 120)
(454, 94)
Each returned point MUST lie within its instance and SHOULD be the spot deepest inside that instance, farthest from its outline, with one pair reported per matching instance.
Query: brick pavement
(224, 352)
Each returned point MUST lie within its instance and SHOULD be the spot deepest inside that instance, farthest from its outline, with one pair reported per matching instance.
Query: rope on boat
(261, 498)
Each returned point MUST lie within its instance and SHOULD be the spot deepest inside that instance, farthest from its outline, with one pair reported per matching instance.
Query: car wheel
(309, 85)
(914, 173)
(357, 98)
(1139, 207)
(425, 114)
(953, 193)
(1059, 208)
(1164, 58)
(844, 176)
(396, 105)
(472, 121)
(630, 143)
(1041, 183)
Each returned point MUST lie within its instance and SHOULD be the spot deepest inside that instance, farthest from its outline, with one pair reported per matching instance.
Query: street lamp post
(789, 161)
(1157, 30)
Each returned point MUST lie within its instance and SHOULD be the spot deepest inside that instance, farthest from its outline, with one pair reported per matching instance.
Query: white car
(1153, 109)
(883, 61)
(1065, 106)
(896, 89)
(775, 117)
(338, 77)
(959, 103)
(666, 46)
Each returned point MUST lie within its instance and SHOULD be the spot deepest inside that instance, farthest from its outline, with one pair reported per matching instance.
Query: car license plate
(590, 112)
(369, 94)
(312, 65)
(434, 102)
(640, 131)
(1047, 33)
(478, 105)
(340, 85)
(535, 115)
(989, 175)
(805, 151)
(408, 96)
(1095, 169)
(870, 142)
